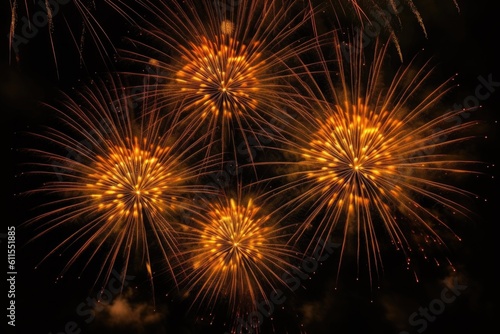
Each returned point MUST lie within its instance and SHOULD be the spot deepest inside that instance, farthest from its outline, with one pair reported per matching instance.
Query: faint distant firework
(28, 18)
(376, 17)
(235, 253)
(361, 7)
(114, 179)
(224, 70)
(370, 159)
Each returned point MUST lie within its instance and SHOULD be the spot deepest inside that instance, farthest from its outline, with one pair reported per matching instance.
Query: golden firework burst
(352, 150)
(368, 158)
(120, 181)
(132, 179)
(220, 78)
(224, 71)
(238, 254)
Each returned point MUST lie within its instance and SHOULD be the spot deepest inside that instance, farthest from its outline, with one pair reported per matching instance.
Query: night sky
(459, 42)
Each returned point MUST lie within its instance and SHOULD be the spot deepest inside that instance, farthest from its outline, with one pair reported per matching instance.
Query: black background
(460, 42)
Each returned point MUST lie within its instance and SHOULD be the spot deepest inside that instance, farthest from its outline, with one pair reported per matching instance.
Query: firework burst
(119, 180)
(380, 15)
(28, 18)
(237, 254)
(222, 69)
(377, 159)
(361, 7)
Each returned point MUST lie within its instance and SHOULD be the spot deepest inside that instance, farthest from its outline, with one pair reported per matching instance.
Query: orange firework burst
(372, 160)
(221, 68)
(219, 78)
(121, 184)
(237, 253)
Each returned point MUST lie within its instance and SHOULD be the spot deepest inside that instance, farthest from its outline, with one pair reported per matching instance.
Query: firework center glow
(220, 77)
(130, 179)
